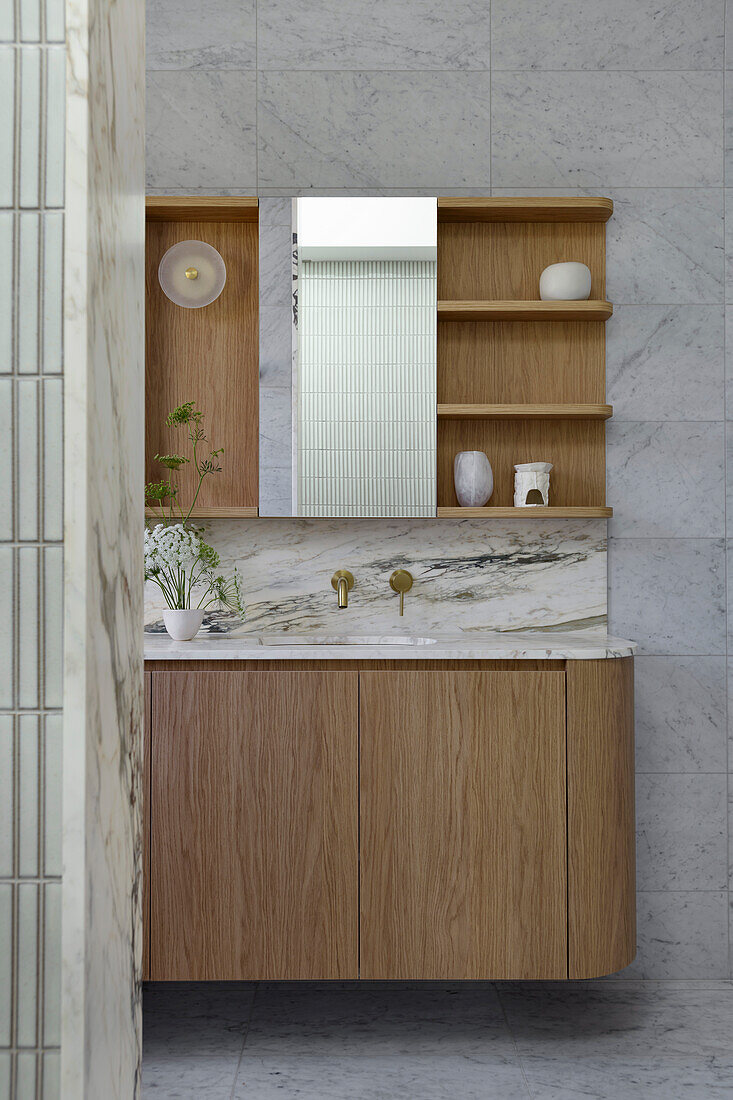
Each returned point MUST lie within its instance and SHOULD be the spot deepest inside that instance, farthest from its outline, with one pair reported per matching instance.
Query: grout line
(416, 71)
(517, 1052)
(244, 1040)
(726, 474)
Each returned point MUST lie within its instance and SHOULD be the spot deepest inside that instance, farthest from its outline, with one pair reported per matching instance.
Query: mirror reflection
(364, 362)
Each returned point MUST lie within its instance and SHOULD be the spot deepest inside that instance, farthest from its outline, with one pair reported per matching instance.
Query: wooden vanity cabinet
(463, 825)
(254, 808)
(406, 820)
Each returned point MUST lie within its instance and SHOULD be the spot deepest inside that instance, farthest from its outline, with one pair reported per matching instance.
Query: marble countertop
(570, 646)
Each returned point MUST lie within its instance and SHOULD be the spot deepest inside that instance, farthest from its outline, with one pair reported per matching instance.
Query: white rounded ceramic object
(473, 478)
(183, 624)
(567, 282)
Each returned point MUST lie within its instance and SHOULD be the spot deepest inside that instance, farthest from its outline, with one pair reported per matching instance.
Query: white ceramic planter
(183, 625)
(568, 282)
(532, 484)
(473, 478)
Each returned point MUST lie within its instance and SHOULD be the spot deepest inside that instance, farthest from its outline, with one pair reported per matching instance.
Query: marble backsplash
(470, 575)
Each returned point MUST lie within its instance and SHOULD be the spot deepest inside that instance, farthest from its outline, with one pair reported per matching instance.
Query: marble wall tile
(370, 129)
(680, 707)
(356, 34)
(201, 129)
(681, 832)
(665, 245)
(628, 34)
(666, 479)
(276, 346)
(665, 362)
(515, 575)
(276, 251)
(183, 34)
(276, 211)
(664, 129)
(668, 594)
(680, 935)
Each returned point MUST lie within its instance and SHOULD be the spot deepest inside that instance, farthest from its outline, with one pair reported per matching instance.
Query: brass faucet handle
(401, 581)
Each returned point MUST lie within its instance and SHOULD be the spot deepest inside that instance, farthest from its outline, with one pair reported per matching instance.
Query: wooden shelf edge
(526, 513)
(536, 209)
(590, 310)
(243, 511)
(524, 412)
(201, 208)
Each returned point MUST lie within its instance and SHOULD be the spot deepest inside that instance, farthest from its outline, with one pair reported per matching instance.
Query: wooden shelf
(241, 512)
(524, 412)
(197, 208)
(525, 210)
(593, 310)
(525, 513)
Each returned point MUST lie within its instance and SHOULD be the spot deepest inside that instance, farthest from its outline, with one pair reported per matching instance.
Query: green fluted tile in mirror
(353, 429)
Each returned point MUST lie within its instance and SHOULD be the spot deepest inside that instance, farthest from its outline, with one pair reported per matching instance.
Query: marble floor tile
(425, 1077)
(666, 479)
(184, 34)
(665, 129)
(378, 1020)
(357, 34)
(189, 1075)
(668, 594)
(208, 1017)
(680, 711)
(681, 832)
(370, 129)
(607, 1020)
(680, 935)
(627, 34)
(665, 362)
(556, 1078)
(201, 129)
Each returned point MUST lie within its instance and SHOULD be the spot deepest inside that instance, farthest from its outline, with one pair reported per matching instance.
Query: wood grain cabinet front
(466, 821)
(254, 821)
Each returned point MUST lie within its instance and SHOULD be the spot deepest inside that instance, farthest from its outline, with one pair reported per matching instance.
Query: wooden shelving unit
(525, 311)
(530, 385)
(246, 512)
(524, 412)
(209, 355)
(524, 513)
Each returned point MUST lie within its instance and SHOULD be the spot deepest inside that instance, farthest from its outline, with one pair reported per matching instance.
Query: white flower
(172, 547)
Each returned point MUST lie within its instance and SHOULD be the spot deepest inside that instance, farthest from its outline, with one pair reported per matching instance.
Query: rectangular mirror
(354, 434)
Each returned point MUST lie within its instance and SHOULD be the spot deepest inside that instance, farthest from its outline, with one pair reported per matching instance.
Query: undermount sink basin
(345, 639)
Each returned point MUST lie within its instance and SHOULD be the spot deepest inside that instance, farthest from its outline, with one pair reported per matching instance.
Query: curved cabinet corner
(601, 862)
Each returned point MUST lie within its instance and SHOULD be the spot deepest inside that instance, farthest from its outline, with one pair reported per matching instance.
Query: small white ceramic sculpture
(568, 282)
(473, 477)
(532, 484)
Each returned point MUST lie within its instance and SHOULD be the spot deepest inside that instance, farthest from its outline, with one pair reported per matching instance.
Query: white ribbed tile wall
(366, 388)
(32, 104)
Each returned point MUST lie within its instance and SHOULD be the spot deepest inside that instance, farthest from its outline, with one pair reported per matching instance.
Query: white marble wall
(630, 99)
(104, 343)
(521, 575)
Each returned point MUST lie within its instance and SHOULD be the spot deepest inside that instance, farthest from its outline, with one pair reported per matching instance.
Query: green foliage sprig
(164, 494)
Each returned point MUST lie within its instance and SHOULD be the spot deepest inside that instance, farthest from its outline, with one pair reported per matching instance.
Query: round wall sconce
(192, 274)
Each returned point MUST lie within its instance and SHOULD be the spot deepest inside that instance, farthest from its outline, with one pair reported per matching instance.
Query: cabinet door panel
(254, 859)
(463, 825)
(146, 825)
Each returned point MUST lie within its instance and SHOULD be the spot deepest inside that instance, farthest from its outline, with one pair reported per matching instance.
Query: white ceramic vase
(532, 485)
(473, 478)
(568, 282)
(183, 625)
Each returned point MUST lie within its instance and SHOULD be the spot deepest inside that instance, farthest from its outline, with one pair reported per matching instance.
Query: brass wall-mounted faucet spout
(343, 582)
(401, 581)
